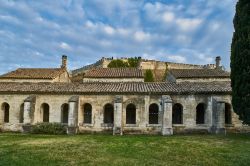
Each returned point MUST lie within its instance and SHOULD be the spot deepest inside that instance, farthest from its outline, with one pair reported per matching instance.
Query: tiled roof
(199, 73)
(33, 73)
(117, 88)
(114, 73)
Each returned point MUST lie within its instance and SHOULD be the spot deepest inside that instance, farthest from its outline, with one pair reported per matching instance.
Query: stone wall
(141, 102)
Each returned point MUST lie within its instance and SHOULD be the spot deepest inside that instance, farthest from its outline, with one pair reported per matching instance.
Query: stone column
(28, 113)
(167, 128)
(209, 112)
(72, 119)
(219, 118)
(117, 129)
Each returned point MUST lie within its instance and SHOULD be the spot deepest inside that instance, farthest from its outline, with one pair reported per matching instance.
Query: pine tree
(240, 61)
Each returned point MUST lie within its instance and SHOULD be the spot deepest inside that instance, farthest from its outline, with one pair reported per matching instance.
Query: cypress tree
(148, 77)
(240, 61)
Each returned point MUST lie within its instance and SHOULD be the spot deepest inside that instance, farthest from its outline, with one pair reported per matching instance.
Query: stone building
(187, 99)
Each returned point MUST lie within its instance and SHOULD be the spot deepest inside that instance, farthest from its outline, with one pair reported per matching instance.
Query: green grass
(20, 149)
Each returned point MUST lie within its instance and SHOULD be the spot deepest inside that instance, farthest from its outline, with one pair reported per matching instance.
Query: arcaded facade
(188, 99)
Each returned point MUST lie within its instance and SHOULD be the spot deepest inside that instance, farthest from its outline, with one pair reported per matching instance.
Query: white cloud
(188, 24)
(65, 46)
(177, 58)
(109, 30)
(141, 36)
(168, 17)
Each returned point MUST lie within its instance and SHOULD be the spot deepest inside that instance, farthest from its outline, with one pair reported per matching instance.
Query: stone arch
(6, 112)
(21, 113)
(177, 114)
(131, 114)
(228, 113)
(108, 113)
(64, 113)
(87, 113)
(200, 113)
(153, 113)
(45, 110)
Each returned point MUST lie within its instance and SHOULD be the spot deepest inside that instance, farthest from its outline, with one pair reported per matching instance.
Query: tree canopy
(240, 61)
(131, 62)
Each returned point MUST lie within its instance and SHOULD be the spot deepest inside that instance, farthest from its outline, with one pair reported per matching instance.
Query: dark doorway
(109, 113)
(153, 114)
(131, 114)
(177, 114)
(87, 114)
(45, 111)
(200, 113)
(228, 114)
(65, 113)
(21, 114)
(6, 112)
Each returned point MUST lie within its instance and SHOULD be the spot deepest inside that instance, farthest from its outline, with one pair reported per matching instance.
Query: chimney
(217, 60)
(64, 62)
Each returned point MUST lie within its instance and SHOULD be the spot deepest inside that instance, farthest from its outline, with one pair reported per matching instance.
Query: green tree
(133, 62)
(148, 77)
(116, 63)
(240, 61)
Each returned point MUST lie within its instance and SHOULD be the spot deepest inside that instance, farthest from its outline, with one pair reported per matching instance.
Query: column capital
(74, 99)
(166, 99)
(31, 99)
(118, 99)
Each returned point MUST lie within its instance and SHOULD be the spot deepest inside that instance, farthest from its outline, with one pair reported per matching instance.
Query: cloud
(177, 58)
(65, 46)
(141, 36)
(188, 24)
(41, 31)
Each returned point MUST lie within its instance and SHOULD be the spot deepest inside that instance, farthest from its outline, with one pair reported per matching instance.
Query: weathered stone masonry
(214, 115)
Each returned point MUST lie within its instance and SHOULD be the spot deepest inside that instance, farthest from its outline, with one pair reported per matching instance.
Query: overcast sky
(37, 33)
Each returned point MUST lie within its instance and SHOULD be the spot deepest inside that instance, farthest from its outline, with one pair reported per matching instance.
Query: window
(6, 109)
(131, 114)
(228, 115)
(87, 108)
(153, 114)
(21, 114)
(64, 113)
(45, 112)
(109, 113)
(177, 114)
(200, 113)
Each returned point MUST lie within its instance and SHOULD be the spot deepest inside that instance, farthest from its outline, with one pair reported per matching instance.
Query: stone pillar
(72, 119)
(117, 129)
(219, 118)
(28, 113)
(209, 112)
(167, 128)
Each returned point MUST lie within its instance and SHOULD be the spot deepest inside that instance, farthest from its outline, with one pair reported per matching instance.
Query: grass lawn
(20, 149)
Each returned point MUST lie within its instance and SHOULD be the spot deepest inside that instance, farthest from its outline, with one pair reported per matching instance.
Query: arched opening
(45, 112)
(87, 113)
(200, 113)
(177, 114)
(153, 113)
(131, 114)
(6, 112)
(228, 114)
(21, 113)
(65, 113)
(109, 113)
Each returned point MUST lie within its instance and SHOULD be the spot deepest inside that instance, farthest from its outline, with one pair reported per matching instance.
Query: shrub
(48, 128)
(117, 63)
(149, 77)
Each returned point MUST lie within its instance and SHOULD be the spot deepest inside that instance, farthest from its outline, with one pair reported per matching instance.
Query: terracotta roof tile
(199, 73)
(114, 73)
(119, 88)
(33, 73)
